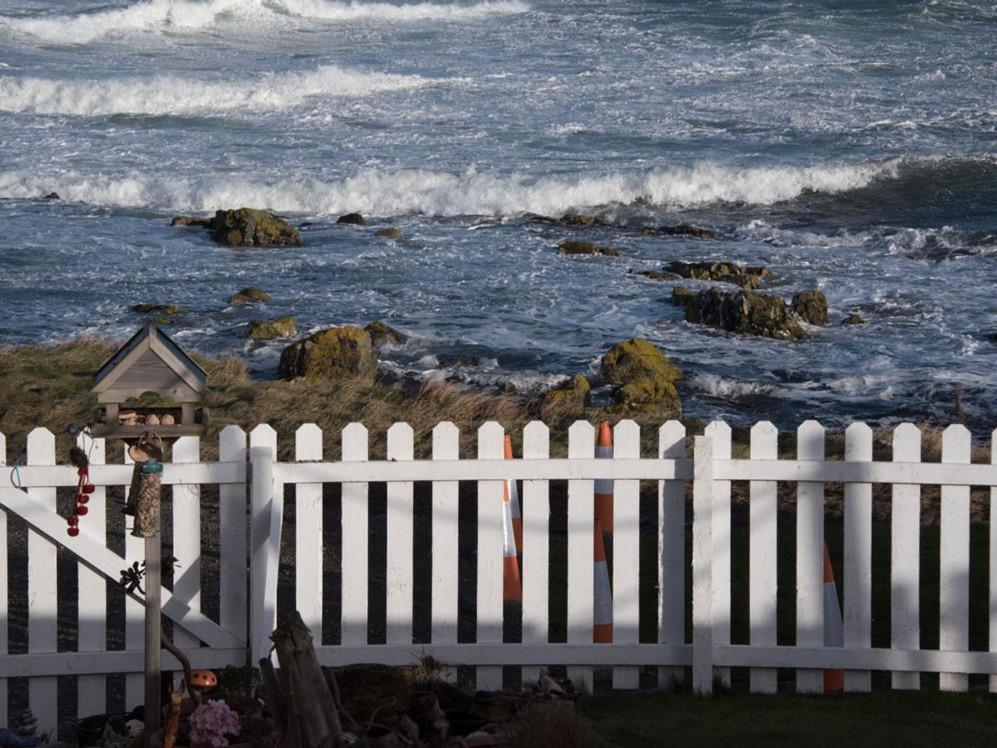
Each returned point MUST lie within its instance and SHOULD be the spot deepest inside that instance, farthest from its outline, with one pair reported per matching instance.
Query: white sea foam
(385, 192)
(190, 15)
(729, 389)
(177, 95)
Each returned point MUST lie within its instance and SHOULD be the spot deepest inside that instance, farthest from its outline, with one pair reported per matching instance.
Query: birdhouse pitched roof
(155, 349)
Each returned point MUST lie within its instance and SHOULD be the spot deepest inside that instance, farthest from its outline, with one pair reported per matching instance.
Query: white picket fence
(252, 477)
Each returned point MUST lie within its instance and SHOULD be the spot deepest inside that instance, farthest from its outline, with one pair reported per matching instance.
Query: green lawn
(845, 721)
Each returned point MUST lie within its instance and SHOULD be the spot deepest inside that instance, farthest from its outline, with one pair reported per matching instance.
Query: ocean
(849, 146)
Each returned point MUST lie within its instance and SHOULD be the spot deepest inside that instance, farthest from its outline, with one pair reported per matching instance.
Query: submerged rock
(645, 378)
(352, 219)
(812, 307)
(746, 312)
(161, 314)
(273, 329)
(249, 295)
(389, 233)
(245, 227)
(682, 229)
(334, 353)
(585, 248)
(653, 274)
(51, 196)
(578, 219)
(682, 295)
(857, 319)
(380, 334)
(744, 276)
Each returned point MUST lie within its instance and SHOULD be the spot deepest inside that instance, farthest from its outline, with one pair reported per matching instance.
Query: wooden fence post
(264, 561)
(42, 589)
(702, 572)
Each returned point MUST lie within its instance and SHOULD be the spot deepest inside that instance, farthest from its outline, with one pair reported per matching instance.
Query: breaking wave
(188, 15)
(173, 95)
(385, 192)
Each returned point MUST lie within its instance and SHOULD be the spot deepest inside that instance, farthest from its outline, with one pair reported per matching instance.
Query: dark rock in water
(352, 219)
(727, 272)
(245, 227)
(812, 307)
(645, 378)
(654, 274)
(273, 329)
(573, 394)
(585, 248)
(682, 229)
(249, 295)
(389, 233)
(161, 314)
(51, 196)
(857, 319)
(682, 296)
(577, 219)
(380, 334)
(747, 312)
(334, 353)
(457, 360)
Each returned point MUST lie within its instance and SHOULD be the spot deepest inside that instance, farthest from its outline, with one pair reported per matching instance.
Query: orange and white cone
(834, 632)
(604, 488)
(517, 516)
(602, 612)
(512, 588)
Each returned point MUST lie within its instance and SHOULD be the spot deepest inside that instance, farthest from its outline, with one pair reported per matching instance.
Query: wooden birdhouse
(167, 383)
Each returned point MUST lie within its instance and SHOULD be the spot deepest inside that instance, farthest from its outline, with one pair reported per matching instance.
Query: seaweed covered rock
(334, 353)
(580, 220)
(811, 306)
(161, 314)
(273, 329)
(746, 312)
(381, 334)
(249, 295)
(682, 295)
(745, 276)
(857, 319)
(653, 274)
(645, 378)
(571, 394)
(585, 248)
(245, 227)
(389, 233)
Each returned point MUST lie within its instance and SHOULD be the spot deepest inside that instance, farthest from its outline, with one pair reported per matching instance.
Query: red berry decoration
(73, 531)
(81, 510)
(83, 499)
(89, 487)
(73, 521)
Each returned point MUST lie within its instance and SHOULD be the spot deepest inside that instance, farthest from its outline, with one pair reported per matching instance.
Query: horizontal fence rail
(390, 561)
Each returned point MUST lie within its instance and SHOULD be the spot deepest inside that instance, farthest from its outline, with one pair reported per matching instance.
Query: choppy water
(851, 146)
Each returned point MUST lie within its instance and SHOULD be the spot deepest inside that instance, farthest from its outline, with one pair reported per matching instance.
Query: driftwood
(300, 699)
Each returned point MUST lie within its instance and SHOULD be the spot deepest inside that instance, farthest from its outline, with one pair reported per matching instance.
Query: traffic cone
(602, 613)
(517, 516)
(604, 488)
(512, 588)
(834, 632)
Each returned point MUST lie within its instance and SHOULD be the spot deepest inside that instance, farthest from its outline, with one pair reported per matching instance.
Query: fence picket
(42, 589)
(4, 642)
(308, 533)
(400, 538)
(581, 526)
(187, 539)
(267, 500)
(719, 434)
(491, 438)
(536, 545)
(702, 562)
(232, 569)
(626, 553)
(92, 591)
(992, 567)
(810, 556)
(134, 610)
(905, 555)
(762, 542)
(857, 612)
(445, 560)
(671, 550)
(356, 541)
(953, 615)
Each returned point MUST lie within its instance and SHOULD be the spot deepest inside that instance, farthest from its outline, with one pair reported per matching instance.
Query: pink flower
(210, 723)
